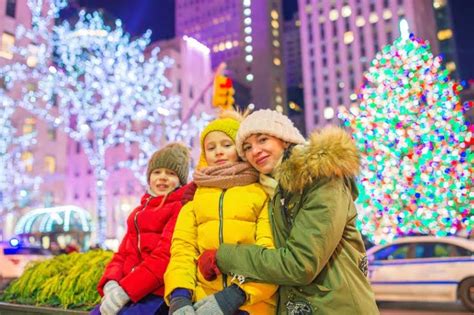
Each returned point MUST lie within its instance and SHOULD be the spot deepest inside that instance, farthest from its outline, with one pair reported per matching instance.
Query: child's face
(219, 149)
(163, 181)
(263, 151)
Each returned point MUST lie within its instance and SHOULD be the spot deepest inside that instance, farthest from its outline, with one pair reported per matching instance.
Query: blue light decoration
(103, 89)
(61, 219)
(14, 242)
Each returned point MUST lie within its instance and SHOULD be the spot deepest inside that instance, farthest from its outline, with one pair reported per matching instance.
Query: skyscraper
(446, 40)
(339, 40)
(294, 71)
(246, 34)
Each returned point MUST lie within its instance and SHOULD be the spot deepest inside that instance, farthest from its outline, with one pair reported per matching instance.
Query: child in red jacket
(132, 282)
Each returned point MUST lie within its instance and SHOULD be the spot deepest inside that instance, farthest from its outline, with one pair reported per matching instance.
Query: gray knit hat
(174, 156)
(268, 122)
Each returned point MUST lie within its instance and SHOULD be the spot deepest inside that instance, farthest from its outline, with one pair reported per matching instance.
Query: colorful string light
(416, 147)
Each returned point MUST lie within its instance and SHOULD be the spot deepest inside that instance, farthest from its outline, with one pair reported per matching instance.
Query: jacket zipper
(135, 220)
(221, 229)
(271, 206)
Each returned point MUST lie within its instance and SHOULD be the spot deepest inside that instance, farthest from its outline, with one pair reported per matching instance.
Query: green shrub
(67, 281)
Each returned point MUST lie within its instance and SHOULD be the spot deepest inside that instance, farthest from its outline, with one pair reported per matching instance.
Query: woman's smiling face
(263, 151)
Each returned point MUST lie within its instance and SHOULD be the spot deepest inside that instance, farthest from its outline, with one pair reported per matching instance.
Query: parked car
(13, 260)
(423, 268)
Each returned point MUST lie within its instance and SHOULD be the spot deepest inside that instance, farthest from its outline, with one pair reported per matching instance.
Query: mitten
(225, 302)
(207, 264)
(111, 284)
(113, 301)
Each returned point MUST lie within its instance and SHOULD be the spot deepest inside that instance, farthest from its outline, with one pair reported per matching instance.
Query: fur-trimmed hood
(330, 152)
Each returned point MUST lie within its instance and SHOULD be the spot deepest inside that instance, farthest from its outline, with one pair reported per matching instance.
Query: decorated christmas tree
(416, 148)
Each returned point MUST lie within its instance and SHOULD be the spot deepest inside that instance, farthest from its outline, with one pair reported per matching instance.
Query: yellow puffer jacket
(238, 215)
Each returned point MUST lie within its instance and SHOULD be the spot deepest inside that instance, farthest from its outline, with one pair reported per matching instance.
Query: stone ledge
(14, 309)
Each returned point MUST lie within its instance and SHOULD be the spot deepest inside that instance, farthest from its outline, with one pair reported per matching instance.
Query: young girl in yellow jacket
(229, 206)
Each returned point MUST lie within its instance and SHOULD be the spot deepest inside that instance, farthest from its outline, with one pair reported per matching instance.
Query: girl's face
(219, 149)
(263, 151)
(163, 181)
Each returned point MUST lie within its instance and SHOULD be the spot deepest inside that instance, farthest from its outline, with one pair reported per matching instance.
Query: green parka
(319, 261)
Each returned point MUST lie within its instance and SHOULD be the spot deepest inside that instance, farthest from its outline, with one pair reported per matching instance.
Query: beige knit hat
(268, 122)
(174, 156)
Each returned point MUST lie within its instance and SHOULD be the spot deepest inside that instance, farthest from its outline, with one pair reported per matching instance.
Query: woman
(319, 261)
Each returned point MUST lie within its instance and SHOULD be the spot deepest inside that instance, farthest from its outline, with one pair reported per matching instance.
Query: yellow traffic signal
(223, 95)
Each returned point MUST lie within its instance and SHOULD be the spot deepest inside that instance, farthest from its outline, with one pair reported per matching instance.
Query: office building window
(52, 133)
(6, 45)
(29, 126)
(27, 160)
(3, 84)
(11, 8)
(315, 106)
(50, 164)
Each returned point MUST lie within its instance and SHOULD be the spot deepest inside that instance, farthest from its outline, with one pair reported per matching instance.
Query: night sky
(158, 15)
(139, 15)
(463, 25)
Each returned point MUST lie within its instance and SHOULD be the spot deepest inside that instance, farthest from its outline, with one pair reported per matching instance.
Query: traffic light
(223, 95)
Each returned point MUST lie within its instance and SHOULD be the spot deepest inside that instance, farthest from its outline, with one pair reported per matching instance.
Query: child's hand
(109, 286)
(207, 264)
(223, 302)
(113, 301)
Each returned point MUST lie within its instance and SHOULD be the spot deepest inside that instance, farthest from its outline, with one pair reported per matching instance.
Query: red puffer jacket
(144, 253)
